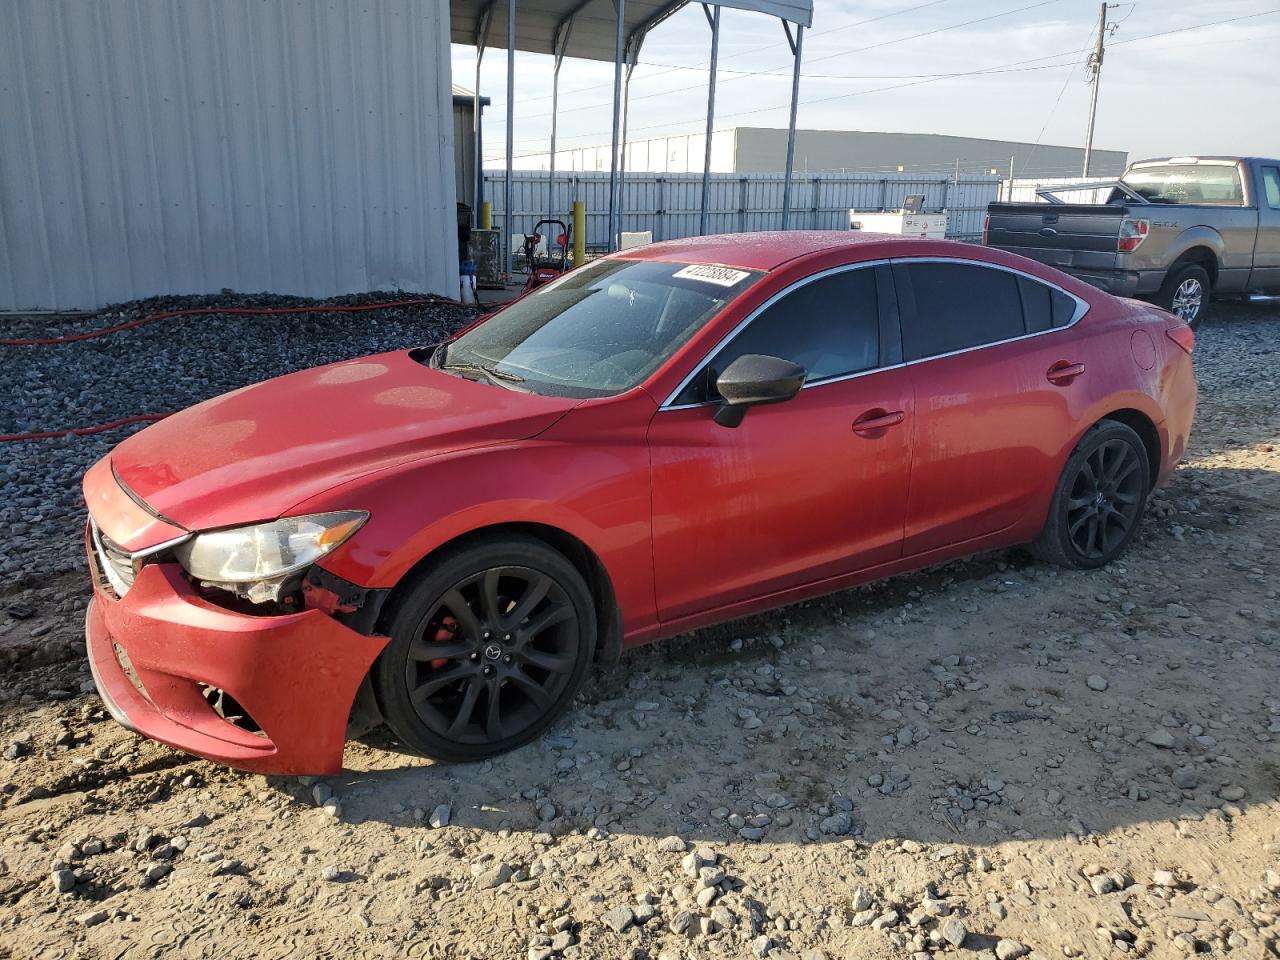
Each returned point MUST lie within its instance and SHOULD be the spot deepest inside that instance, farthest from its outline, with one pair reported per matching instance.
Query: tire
(1090, 524)
(1185, 293)
(501, 629)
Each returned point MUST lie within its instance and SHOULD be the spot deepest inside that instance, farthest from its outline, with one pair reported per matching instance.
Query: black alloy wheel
(493, 655)
(1106, 499)
(1099, 500)
(488, 647)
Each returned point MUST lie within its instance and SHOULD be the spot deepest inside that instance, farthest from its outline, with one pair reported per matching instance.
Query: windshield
(598, 330)
(1200, 183)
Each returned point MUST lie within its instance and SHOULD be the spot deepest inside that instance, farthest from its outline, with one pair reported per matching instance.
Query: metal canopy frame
(553, 31)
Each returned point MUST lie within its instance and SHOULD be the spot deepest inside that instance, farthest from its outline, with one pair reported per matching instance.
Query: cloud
(1158, 96)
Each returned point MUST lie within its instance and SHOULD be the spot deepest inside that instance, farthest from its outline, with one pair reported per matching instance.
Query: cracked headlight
(255, 561)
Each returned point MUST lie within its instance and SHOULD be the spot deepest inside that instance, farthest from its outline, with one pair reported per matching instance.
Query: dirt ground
(994, 757)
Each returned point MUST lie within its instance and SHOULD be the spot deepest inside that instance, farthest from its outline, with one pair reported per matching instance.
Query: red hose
(83, 431)
(206, 311)
(192, 312)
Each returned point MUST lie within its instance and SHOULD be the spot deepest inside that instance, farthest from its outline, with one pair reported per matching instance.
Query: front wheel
(489, 645)
(1185, 293)
(1099, 500)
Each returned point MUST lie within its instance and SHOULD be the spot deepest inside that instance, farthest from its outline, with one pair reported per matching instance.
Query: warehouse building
(153, 147)
(764, 150)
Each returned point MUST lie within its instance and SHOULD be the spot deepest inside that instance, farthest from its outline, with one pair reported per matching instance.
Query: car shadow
(988, 699)
(954, 705)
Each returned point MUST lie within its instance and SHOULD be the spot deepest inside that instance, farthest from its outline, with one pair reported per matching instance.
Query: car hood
(254, 453)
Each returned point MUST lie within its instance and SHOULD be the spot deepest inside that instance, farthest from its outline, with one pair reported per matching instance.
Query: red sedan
(447, 538)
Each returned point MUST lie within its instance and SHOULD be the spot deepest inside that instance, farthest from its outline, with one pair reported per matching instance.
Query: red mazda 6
(448, 538)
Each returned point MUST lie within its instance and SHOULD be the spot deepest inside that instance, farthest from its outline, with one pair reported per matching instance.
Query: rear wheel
(1185, 293)
(1099, 500)
(489, 645)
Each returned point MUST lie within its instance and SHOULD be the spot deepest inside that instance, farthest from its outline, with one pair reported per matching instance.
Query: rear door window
(958, 306)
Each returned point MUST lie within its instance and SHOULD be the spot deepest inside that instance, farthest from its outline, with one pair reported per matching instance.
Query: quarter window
(958, 306)
(1044, 307)
(830, 326)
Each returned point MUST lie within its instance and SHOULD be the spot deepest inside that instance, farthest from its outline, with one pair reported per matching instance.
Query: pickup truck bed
(1080, 239)
(1176, 231)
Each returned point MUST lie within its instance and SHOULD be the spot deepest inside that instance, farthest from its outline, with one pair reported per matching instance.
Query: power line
(859, 93)
(1000, 68)
(744, 75)
(672, 68)
(1065, 83)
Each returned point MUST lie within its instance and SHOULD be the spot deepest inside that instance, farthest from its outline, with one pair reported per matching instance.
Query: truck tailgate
(1069, 236)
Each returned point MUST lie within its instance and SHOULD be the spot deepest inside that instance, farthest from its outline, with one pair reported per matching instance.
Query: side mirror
(754, 379)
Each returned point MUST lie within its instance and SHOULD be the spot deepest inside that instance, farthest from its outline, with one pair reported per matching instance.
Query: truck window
(1187, 183)
(1271, 186)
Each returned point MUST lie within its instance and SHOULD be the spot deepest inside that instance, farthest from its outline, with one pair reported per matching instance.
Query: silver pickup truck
(1174, 231)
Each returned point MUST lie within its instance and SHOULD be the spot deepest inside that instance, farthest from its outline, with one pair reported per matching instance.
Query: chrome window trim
(669, 403)
(1082, 307)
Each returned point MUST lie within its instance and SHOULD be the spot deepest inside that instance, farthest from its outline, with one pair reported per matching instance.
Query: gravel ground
(157, 368)
(990, 758)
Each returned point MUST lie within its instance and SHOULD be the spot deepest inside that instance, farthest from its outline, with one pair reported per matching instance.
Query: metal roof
(593, 36)
(461, 94)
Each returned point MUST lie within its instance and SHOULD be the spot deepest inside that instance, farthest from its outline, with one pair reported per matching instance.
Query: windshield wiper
(492, 372)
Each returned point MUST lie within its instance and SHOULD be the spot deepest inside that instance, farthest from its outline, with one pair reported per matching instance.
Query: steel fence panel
(668, 204)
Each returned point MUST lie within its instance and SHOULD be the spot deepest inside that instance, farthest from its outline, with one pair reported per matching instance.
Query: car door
(1266, 252)
(994, 377)
(801, 490)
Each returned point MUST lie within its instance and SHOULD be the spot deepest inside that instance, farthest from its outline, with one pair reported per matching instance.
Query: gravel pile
(156, 368)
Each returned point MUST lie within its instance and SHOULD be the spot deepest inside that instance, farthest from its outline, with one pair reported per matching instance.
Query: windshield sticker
(720, 276)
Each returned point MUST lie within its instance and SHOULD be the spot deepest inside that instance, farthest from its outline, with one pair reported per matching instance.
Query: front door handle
(876, 421)
(1063, 372)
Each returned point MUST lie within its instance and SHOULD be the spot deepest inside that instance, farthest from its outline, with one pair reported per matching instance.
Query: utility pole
(1095, 77)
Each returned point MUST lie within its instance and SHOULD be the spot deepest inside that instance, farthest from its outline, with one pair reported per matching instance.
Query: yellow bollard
(486, 215)
(579, 233)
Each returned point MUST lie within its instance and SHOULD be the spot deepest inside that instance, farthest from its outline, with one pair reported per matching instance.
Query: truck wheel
(1185, 293)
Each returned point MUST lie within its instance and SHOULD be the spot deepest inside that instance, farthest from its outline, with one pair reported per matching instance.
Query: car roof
(769, 250)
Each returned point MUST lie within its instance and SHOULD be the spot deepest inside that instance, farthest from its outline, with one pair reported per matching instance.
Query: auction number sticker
(720, 276)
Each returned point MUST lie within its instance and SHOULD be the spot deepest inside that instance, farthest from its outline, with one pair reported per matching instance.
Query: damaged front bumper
(155, 651)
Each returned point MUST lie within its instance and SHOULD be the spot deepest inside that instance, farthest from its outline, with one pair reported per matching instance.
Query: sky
(1203, 90)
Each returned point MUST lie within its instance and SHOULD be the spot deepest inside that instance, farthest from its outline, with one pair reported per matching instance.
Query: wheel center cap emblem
(493, 651)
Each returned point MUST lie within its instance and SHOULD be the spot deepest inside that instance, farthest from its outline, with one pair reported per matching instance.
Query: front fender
(597, 491)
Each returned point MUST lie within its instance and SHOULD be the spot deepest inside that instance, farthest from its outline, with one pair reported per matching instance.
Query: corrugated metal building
(764, 150)
(153, 146)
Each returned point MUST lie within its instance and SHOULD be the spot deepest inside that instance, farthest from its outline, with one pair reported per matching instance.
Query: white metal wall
(669, 204)
(151, 147)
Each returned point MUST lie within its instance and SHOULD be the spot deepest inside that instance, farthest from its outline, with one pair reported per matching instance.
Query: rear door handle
(874, 420)
(1063, 372)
